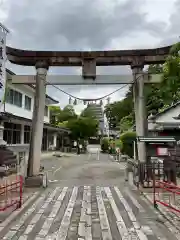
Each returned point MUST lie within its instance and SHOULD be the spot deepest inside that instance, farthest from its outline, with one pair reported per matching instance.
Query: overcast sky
(89, 25)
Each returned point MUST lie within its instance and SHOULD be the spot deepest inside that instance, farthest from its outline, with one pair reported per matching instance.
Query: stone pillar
(139, 108)
(38, 120)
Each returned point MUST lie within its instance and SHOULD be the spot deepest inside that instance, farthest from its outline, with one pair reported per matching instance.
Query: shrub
(104, 144)
(118, 143)
(127, 140)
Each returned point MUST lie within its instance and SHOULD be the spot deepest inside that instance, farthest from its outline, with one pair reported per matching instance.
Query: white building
(17, 112)
(166, 121)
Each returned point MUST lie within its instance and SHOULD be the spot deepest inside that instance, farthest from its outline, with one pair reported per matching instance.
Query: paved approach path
(86, 204)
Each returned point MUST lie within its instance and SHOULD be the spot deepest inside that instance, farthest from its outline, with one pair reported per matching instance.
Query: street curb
(160, 212)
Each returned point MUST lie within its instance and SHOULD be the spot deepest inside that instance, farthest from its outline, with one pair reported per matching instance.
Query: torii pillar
(139, 108)
(38, 120)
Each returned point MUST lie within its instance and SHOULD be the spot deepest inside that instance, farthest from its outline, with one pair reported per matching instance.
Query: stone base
(34, 181)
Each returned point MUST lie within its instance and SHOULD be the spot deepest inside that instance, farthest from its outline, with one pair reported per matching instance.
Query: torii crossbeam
(88, 60)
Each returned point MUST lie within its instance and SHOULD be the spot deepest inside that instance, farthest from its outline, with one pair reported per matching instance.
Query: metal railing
(166, 194)
(145, 173)
(11, 193)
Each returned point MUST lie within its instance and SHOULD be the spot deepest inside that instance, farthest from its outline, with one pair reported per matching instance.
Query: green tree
(63, 124)
(117, 110)
(88, 112)
(157, 96)
(127, 140)
(55, 112)
(171, 81)
(59, 117)
(126, 123)
(67, 113)
(153, 96)
(83, 127)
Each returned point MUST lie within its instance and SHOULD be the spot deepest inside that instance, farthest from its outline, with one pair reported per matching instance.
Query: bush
(104, 144)
(127, 140)
(118, 143)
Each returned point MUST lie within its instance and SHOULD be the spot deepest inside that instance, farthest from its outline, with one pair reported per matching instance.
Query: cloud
(175, 20)
(80, 24)
(85, 25)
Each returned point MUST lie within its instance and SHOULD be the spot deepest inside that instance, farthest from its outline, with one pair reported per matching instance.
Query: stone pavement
(28, 195)
(88, 199)
(85, 213)
(167, 213)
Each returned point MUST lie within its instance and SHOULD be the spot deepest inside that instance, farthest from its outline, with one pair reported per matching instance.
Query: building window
(14, 97)
(27, 104)
(27, 134)
(12, 133)
(46, 111)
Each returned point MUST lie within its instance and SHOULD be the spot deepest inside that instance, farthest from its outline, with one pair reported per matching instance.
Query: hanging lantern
(70, 101)
(84, 101)
(101, 102)
(75, 102)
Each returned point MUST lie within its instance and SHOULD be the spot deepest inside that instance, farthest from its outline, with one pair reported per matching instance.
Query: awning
(8, 116)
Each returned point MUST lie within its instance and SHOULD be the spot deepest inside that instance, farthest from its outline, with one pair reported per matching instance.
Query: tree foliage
(88, 113)
(80, 127)
(126, 123)
(157, 96)
(55, 112)
(105, 144)
(59, 116)
(127, 140)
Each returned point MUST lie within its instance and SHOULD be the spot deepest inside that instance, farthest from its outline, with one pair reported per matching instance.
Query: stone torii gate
(42, 60)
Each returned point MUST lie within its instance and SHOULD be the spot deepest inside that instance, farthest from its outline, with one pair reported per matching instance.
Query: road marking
(52, 181)
(49, 220)
(23, 218)
(84, 228)
(131, 215)
(23, 238)
(135, 202)
(38, 215)
(105, 228)
(123, 231)
(35, 218)
(57, 170)
(17, 212)
(63, 230)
